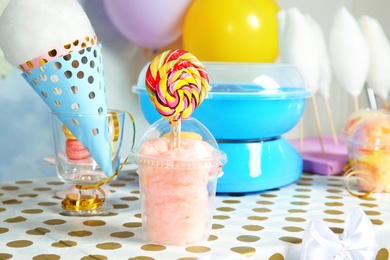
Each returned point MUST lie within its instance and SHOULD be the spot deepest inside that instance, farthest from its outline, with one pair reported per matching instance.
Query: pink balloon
(149, 23)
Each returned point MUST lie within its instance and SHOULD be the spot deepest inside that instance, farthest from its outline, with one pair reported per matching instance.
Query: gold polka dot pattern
(264, 225)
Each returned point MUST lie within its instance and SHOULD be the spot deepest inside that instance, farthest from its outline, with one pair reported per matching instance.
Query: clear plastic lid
(190, 129)
(232, 80)
(371, 133)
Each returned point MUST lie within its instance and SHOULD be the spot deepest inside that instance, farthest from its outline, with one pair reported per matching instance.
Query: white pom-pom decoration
(378, 77)
(349, 53)
(30, 28)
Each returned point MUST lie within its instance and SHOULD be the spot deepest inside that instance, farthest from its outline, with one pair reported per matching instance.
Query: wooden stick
(178, 133)
(356, 103)
(301, 133)
(318, 124)
(330, 116)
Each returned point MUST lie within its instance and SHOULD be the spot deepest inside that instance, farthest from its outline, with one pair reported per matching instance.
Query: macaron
(75, 150)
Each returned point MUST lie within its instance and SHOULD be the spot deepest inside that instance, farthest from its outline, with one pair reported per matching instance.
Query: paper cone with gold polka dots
(74, 84)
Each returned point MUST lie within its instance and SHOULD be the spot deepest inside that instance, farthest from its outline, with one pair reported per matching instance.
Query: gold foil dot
(28, 195)
(15, 220)
(231, 201)
(38, 231)
(276, 256)
(132, 198)
(2, 209)
(153, 247)
(261, 210)
(52, 53)
(120, 206)
(46, 257)
(109, 246)
(333, 220)
(337, 230)
(212, 238)
(217, 226)
(306, 179)
(94, 257)
(143, 258)
(64, 244)
(32, 211)
(304, 184)
(291, 219)
(94, 223)
(248, 239)
(297, 211)
(302, 196)
(266, 195)
(24, 182)
(198, 249)
(10, 188)
(133, 224)
(80, 233)
(226, 209)
(253, 227)
(138, 215)
(335, 185)
(19, 243)
(377, 222)
(382, 254)
(265, 202)
(368, 198)
(299, 203)
(372, 213)
(257, 218)
(43, 189)
(244, 250)
(3, 230)
(221, 217)
(292, 240)
(293, 229)
(12, 202)
(54, 222)
(334, 191)
(302, 190)
(123, 234)
(47, 204)
(333, 212)
(369, 205)
(334, 204)
(117, 184)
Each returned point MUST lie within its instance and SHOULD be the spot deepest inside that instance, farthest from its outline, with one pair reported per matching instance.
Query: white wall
(25, 134)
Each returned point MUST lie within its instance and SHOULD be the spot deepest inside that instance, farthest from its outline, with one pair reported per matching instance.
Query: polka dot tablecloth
(266, 225)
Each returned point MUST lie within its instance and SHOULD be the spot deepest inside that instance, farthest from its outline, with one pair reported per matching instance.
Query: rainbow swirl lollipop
(177, 83)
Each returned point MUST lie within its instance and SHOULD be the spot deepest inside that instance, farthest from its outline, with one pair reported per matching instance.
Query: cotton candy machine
(248, 109)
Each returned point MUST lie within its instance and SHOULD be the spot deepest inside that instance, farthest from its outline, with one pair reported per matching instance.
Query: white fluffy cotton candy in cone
(325, 70)
(378, 77)
(30, 28)
(298, 47)
(349, 53)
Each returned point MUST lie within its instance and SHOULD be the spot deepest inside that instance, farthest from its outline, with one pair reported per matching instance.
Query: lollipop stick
(385, 104)
(178, 133)
(301, 133)
(172, 136)
(318, 123)
(356, 103)
(328, 110)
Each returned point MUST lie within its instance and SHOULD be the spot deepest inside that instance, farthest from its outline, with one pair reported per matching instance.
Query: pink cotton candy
(177, 202)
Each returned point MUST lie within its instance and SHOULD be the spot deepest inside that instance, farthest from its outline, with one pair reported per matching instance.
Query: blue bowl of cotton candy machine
(248, 109)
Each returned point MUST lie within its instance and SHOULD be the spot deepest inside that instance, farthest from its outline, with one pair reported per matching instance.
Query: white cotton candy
(378, 77)
(325, 70)
(298, 47)
(29, 28)
(349, 53)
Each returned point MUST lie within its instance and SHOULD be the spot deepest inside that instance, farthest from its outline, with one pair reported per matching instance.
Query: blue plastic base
(259, 166)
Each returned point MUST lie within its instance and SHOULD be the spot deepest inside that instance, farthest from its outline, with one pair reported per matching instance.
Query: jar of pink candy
(369, 151)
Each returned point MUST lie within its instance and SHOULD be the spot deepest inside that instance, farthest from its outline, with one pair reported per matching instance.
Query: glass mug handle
(114, 126)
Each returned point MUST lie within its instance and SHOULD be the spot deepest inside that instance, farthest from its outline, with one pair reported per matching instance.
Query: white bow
(357, 242)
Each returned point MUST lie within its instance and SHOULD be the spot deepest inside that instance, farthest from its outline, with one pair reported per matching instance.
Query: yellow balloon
(232, 30)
